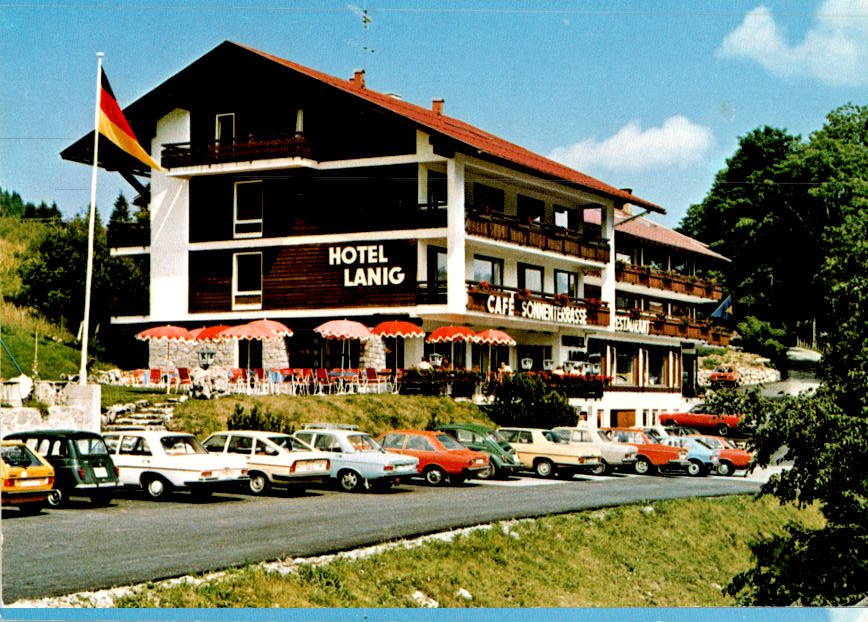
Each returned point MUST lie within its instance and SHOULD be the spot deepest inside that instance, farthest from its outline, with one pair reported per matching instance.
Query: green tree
(525, 400)
(121, 211)
(825, 435)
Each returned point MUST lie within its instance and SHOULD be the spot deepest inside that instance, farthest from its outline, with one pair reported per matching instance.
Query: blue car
(702, 459)
(356, 459)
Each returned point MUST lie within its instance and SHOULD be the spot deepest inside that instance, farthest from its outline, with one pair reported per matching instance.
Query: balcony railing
(678, 327)
(555, 308)
(254, 148)
(673, 282)
(430, 293)
(127, 234)
(497, 226)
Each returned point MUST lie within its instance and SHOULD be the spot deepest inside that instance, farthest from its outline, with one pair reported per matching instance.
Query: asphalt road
(136, 540)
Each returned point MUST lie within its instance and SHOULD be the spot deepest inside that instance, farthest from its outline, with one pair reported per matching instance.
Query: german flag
(113, 125)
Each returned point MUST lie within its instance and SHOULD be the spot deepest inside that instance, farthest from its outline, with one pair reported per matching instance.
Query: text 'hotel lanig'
(298, 196)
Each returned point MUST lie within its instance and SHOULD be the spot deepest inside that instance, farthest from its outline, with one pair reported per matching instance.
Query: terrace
(596, 312)
(669, 281)
(678, 327)
(257, 147)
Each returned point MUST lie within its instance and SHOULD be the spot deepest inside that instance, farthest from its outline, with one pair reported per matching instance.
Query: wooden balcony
(128, 234)
(673, 282)
(482, 298)
(176, 155)
(497, 226)
(679, 327)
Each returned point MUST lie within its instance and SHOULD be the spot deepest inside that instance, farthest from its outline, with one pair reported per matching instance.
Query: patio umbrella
(211, 333)
(260, 330)
(492, 336)
(451, 334)
(343, 330)
(397, 328)
(167, 333)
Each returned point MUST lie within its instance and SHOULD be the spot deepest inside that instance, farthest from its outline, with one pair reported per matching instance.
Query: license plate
(100, 471)
(407, 467)
(306, 466)
(31, 483)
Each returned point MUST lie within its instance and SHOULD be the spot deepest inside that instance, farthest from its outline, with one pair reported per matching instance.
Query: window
(488, 269)
(448, 442)
(307, 437)
(418, 443)
(436, 264)
(224, 128)
(393, 441)
(524, 436)
(487, 199)
(247, 281)
(240, 445)
(567, 283)
(530, 277)
(530, 210)
(261, 448)
(568, 218)
(248, 209)
(134, 446)
(215, 444)
(624, 364)
(91, 446)
(656, 363)
(178, 445)
(327, 442)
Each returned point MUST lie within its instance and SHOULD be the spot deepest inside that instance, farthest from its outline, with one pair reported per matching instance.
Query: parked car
(652, 456)
(356, 459)
(724, 375)
(440, 456)
(82, 465)
(613, 455)
(27, 477)
(271, 458)
(702, 458)
(161, 462)
(659, 431)
(697, 417)
(731, 457)
(502, 459)
(547, 453)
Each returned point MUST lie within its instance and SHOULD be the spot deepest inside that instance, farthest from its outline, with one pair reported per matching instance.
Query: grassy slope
(679, 554)
(372, 413)
(55, 356)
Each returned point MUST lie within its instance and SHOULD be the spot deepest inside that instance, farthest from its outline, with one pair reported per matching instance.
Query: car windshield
(19, 456)
(703, 443)
(362, 443)
(448, 442)
(177, 445)
(289, 443)
(554, 437)
(91, 446)
(497, 437)
(604, 436)
(628, 436)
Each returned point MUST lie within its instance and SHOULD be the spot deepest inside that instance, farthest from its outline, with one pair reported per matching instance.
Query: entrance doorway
(624, 418)
(249, 354)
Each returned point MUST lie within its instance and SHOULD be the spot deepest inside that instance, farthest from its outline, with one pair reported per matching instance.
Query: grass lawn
(664, 554)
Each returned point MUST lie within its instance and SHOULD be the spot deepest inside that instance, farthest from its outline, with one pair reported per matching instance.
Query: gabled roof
(647, 230)
(479, 141)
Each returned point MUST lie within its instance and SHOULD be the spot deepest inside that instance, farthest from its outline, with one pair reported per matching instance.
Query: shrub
(526, 400)
(259, 420)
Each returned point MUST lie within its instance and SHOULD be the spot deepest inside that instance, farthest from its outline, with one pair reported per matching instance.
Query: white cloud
(834, 50)
(678, 142)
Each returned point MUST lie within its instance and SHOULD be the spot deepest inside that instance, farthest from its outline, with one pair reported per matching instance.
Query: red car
(652, 455)
(724, 374)
(731, 457)
(440, 456)
(696, 417)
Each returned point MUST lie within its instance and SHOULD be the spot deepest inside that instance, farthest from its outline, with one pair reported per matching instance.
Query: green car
(502, 458)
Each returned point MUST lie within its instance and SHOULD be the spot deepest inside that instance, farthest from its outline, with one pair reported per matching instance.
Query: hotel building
(298, 196)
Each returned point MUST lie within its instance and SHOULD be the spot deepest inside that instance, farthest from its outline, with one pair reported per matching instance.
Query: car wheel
(600, 469)
(258, 483)
(643, 466)
(56, 498)
(489, 473)
(349, 481)
(723, 429)
(725, 468)
(544, 468)
(434, 476)
(156, 487)
(695, 468)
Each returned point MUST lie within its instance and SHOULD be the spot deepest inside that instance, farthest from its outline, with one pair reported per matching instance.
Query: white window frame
(235, 291)
(236, 221)
(217, 125)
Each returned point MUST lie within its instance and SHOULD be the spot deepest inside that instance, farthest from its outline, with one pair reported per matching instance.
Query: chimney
(437, 105)
(358, 78)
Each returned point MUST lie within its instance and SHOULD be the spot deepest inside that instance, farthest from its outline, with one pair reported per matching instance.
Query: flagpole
(82, 373)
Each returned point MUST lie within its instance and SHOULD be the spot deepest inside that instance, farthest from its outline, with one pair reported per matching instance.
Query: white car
(272, 458)
(160, 462)
(357, 459)
(547, 453)
(615, 455)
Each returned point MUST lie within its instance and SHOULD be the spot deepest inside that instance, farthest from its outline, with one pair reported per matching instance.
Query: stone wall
(275, 354)
(373, 353)
(59, 418)
(181, 354)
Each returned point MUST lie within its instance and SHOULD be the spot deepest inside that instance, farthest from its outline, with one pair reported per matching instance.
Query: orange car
(440, 456)
(731, 457)
(724, 374)
(27, 478)
(652, 455)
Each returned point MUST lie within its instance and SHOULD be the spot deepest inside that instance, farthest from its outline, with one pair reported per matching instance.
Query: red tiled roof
(647, 230)
(469, 135)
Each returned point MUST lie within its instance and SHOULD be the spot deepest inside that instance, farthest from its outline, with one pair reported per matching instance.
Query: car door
(133, 457)
(421, 447)
(267, 457)
(216, 443)
(524, 446)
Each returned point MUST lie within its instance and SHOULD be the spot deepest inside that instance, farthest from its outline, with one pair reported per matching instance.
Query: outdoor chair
(184, 378)
(373, 380)
(237, 380)
(323, 381)
(155, 377)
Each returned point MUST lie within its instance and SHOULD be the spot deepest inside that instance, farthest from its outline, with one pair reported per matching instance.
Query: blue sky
(647, 95)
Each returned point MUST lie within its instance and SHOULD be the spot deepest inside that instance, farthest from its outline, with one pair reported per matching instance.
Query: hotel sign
(536, 310)
(368, 265)
(624, 324)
